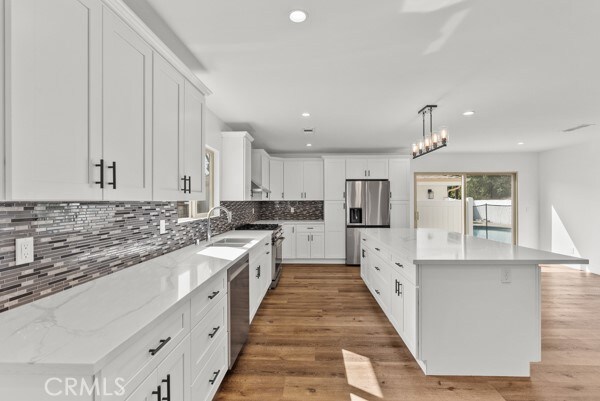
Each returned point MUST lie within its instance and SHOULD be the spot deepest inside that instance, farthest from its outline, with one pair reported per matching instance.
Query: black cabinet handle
(215, 330)
(377, 291)
(400, 289)
(158, 393)
(113, 166)
(396, 289)
(184, 179)
(189, 184)
(168, 382)
(377, 268)
(377, 249)
(258, 272)
(164, 342)
(213, 295)
(268, 243)
(364, 239)
(399, 265)
(214, 379)
(101, 165)
(268, 252)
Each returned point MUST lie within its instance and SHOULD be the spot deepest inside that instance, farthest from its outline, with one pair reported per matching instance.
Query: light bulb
(444, 134)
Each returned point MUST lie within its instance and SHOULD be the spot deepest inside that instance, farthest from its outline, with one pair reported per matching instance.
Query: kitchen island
(463, 305)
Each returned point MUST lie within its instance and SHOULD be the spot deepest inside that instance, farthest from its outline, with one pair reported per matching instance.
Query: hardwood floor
(321, 336)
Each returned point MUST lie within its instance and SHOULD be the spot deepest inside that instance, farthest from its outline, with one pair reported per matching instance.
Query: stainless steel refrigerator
(367, 205)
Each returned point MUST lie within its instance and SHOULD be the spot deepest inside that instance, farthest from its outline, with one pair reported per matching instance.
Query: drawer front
(319, 228)
(207, 334)
(208, 296)
(137, 362)
(379, 251)
(207, 383)
(379, 268)
(381, 290)
(406, 268)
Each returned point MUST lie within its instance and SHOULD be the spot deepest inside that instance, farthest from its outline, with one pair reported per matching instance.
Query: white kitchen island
(462, 305)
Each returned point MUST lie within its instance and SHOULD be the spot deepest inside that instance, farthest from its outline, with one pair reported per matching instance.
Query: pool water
(500, 234)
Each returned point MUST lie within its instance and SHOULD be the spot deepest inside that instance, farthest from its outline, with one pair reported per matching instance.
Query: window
(199, 209)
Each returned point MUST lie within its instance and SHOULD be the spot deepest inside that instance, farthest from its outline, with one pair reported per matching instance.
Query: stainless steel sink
(232, 242)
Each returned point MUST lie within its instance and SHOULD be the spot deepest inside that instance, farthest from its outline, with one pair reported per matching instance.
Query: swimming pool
(501, 234)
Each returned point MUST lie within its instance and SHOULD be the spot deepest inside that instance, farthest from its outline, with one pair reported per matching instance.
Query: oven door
(277, 261)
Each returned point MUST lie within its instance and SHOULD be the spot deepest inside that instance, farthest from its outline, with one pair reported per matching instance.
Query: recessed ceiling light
(305, 114)
(308, 145)
(521, 143)
(468, 113)
(298, 16)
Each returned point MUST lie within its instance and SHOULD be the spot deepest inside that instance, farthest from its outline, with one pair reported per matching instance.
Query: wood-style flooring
(321, 336)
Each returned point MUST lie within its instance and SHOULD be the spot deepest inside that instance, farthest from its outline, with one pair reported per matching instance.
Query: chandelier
(432, 141)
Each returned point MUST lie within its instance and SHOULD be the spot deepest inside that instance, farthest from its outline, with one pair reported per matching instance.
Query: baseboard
(314, 261)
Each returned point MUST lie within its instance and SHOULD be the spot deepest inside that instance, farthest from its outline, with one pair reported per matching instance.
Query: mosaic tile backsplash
(281, 210)
(78, 242)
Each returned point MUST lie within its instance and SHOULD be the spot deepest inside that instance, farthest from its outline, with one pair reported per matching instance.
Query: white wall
(524, 164)
(569, 190)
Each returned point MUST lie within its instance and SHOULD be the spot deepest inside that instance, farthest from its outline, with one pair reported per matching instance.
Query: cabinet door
(313, 180)
(397, 303)
(54, 89)
(399, 179)
(377, 169)
(127, 112)
(168, 126)
(399, 214)
(317, 246)
(334, 178)
(266, 273)
(276, 179)
(409, 292)
(365, 267)
(193, 142)
(145, 390)
(335, 230)
(174, 373)
(293, 180)
(256, 272)
(265, 171)
(356, 169)
(288, 249)
(303, 245)
(247, 169)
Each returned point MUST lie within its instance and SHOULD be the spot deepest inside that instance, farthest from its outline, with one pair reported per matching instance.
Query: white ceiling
(529, 68)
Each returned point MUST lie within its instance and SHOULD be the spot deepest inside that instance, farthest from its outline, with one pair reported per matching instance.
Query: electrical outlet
(292, 209)
(505, 271)
(163, 227)
(24, 250)
(252, 210)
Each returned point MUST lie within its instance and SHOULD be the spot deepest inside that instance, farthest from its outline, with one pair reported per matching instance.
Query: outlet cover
(23, 250)
(292, 209)
(505, 279)
(163, 227)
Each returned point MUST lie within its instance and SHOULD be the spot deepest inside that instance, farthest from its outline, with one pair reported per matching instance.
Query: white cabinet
(335, 229)
(192, 163)
(145, 392)
(359, 168)
(261, 165)
(54, 94)
(2, 166)
(174, 377)
(288, 248)
(334, 173)
(260, 274)
(399, 172)
(276, 179)
(399, 214)
(303, 180)
(310, 242)
(236, 156)
(127, 112)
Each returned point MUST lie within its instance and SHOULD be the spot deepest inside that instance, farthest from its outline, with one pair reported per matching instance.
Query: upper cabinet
(92, 116)
(276, 179)
(236, 155)
(334, 179)
(303, 179)
(54, 94)
(399, 179)
(261, 167)
(370, 169)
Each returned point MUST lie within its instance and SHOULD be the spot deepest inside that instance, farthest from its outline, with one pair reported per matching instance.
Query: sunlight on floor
(360, 374)
(354, 397)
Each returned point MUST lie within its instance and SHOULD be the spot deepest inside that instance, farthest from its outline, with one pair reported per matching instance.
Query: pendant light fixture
(433, 140)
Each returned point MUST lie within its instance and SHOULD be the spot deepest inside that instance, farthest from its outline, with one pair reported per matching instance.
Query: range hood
(259, 188)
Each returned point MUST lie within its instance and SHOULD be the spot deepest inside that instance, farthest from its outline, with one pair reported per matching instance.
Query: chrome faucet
(209, 230)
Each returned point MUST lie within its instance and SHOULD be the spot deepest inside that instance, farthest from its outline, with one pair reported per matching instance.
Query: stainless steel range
(276, 243)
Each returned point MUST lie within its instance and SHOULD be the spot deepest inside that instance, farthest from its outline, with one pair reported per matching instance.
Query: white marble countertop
(433, 246)
(290, 222)
(77, 331)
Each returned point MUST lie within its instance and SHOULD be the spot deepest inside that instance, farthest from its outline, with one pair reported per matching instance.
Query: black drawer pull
(101, 165)
(190, 184)
(158, 393)
(268, 252)
(399, 265)
(214, 379)
(213, 295)
(377, 268)
(364, 239)
(377, 291)
(377, 249)
(168, 382)
(162, 344)
(268, 243)
(114, 169)
(184, 179)
(258, 272)
(215, 329)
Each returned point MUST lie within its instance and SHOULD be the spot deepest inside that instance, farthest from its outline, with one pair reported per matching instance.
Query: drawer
(379, 268)
(207, 296)
(207, 334)
(379, 251)
(207, 383)
(313, 228)
(381, 290)
(406, 268)
(135, 363)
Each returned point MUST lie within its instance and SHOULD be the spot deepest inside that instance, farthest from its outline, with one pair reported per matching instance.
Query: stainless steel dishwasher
(238, 316)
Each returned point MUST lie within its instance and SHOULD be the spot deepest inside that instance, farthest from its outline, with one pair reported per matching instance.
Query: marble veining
(79, 330)
(433, 246)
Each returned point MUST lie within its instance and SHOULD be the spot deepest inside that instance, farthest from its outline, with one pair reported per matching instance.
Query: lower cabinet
(207, 383)
(260, 275)
(288, 249)
(335, 229)
(310, 242)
